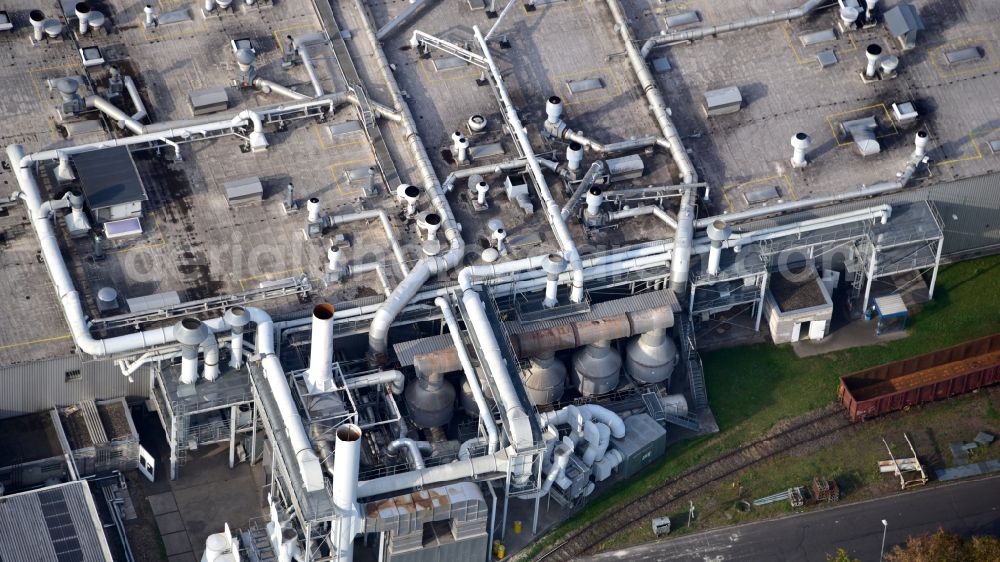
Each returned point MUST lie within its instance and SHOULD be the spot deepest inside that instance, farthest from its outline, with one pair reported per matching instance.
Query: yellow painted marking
(36, 342)
(362, 140)
(991, 58)
(885, 111)
(975, 146)
(36, 80)
(811, 59)
(342, 167)
(279, 34)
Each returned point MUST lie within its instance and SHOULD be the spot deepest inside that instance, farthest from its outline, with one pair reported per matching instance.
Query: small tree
(943, 546)
(841, 556)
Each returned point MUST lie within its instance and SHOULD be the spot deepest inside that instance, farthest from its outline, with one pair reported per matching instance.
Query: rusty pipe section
(566, 336)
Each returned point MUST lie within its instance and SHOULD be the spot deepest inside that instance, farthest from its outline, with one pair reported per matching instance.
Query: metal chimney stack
(236, 318)
(37, 19)
(312, 206)
(409, 194)
(150, 16)
(500, 238)
(481, 189)
(920, 141)
(595, 198)
(64, 172)
(574, 156)
(869, 12)
(553, 110)
(873, 53)
(718, 232)
(82, 14)
(800, 142)
(320, 375)
(346, 464)
(189, 333)
(553, 266)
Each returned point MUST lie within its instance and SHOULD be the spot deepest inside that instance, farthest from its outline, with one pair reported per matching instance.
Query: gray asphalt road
(967, 508)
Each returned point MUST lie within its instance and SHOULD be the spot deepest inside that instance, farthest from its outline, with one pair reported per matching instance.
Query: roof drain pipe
(552, 210)
(485, 413)
(346, 462)
(320, 375)
(415, 449)
(401, 296)
(702, 32)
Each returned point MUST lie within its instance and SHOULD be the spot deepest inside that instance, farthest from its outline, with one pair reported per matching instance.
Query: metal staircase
(696, 373)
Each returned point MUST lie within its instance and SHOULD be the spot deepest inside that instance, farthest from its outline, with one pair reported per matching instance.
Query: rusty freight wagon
(925, 378)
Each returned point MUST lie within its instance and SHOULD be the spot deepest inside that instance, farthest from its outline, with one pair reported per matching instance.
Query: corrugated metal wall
(31, 387)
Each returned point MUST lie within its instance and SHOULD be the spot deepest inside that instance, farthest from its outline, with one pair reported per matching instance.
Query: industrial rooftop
(455, 187)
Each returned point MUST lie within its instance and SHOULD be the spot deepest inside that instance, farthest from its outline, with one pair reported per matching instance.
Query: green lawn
(752, 388)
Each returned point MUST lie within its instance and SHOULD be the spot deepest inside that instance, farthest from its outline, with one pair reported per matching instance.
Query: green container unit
(644, 442)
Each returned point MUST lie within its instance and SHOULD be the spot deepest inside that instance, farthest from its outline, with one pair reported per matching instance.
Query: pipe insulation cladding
(320, 375)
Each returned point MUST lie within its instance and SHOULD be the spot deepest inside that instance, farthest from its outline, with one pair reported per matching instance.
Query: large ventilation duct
(237, 318)
(680, 264)
(82, 17)
(873, 53)
(190, 332)
(567, 336)
(346, 462)
(552, 210)
(553, 267)
(309, 466)
(702, 32)
(471, 378)
(320, 377)
(597, 368)
(396, 379)
(718, 232)
(211, 347)
(480, 468)
(651, 357)
(414, 449)
(401, 296)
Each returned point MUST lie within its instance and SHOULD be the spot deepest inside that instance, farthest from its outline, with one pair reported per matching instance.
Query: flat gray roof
(108, 177)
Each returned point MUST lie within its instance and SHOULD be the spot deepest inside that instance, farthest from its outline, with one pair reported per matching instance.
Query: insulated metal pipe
(390, 234)
(133, 94)
(396, 379)
(471, 377)
(656, 103)
(404, 292)
(702, 32)
(37, 19)
(307, 62)
(480, 468)
(82, 14)
(267, 86)
(657, 212)
(237, 318)
(211, 347)
(320, 376)
(346, 464)
(415, 450)
(553, 212)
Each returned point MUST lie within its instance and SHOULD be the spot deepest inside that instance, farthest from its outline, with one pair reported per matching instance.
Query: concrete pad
(856, 334)
(169, 523)
(176, 543)
(162, 503)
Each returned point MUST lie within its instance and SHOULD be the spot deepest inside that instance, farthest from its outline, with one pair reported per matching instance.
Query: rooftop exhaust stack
(77, 221)
(82, 14)
(150, 17)
(64, 172)
(595, 198)
(574, 156)
(37, 19)
(208, 6)
(500, 238)
(346, 461)
(718, 232)
(873, 53)
(237, 318)
(553, 266)
(409, 194)
(800, 142)
(869, 12)
(189, 333)
(335, 259)
(481, 189)
(430, 222)
(919, 146)
(312, 206)
(553, 110)
(849, 15)
(320, 376)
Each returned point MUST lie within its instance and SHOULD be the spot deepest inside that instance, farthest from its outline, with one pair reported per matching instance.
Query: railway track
(584, 540)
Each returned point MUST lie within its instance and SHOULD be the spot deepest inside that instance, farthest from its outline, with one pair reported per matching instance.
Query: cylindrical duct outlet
(574, 156)
(481, 189)
(597, 368)
(873, 53)
(554, 109)
(346, 459)
(800, 142)
(849, 15)
(208, 5)
(82, 13)
(236, 318)
(245, 59)
(37, 19)
(432, 222)
(215, 546)
(320, 375)
(409, 194)
(334, 258)
(312, 206)
(920, 141)
(462, 150)
(189, 333)
(553, 266)
(595, 198)
(651, 357)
